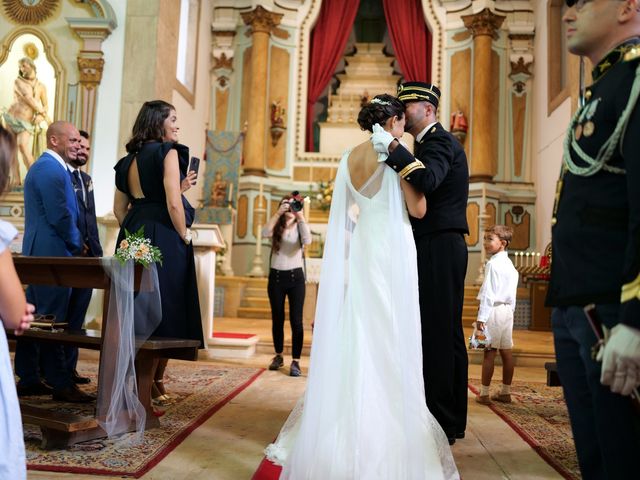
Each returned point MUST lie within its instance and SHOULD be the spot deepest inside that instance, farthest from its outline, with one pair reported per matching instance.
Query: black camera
(295, 204)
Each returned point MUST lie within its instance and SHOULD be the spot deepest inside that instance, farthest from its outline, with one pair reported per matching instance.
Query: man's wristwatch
(187, 236)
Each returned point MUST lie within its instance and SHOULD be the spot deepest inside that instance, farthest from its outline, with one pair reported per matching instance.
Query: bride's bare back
(362, 164)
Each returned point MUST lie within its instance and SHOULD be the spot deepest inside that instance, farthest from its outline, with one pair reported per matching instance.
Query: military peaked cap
(418, 92)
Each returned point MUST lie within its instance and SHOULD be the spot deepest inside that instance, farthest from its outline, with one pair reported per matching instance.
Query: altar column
(484, 27)
(262, 22)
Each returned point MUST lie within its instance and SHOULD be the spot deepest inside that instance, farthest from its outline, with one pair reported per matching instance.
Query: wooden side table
(540, 315)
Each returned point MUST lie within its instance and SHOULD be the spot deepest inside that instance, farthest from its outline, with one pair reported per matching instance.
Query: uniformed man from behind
(596, 241)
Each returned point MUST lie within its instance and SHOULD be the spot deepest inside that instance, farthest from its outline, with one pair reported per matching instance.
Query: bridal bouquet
(138, 248)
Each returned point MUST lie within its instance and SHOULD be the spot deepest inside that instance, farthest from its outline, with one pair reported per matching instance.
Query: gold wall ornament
(31, 50)
(29, 12)
(90, 70)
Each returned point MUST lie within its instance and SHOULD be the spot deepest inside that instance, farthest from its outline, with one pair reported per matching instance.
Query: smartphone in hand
(194, 165)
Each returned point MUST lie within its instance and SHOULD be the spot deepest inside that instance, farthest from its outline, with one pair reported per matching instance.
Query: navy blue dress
(177, 275)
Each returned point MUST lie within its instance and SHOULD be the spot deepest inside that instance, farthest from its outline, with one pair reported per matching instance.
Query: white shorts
(499, 327)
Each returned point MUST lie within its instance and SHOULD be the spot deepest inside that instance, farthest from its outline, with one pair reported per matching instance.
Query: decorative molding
(26, 13)
(520, 73)
(484, 22)
(223, 62)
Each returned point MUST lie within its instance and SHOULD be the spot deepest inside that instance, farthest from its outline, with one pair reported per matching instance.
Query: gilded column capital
(261, 20)
(484, 22)
(90, 69)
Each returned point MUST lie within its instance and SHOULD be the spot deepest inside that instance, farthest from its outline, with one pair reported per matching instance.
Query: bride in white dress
(364, 414)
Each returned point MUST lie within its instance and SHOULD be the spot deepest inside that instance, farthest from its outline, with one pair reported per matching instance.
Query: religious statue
(219, 191)
(277, 114)
(27, 117)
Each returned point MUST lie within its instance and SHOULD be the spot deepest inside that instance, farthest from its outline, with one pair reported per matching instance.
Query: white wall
(193, 120)
(548, 133)
(105, 148)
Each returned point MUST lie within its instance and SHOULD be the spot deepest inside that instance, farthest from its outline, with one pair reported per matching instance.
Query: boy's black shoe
(294, 370)
(276, 363)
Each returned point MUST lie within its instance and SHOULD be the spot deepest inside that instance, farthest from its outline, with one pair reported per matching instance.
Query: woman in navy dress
(149, 185)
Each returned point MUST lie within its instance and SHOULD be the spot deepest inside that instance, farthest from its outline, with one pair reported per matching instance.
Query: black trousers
(606, 429)
(78, 305)
(287, 283)
(442, 265)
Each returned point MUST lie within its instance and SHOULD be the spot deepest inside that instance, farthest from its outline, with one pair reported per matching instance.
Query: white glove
(621, 360)
(381, 139)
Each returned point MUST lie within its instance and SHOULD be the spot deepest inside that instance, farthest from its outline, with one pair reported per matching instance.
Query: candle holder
(533, 265)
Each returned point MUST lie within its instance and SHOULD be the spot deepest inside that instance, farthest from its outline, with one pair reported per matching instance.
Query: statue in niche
(219, 191)
(27, 116)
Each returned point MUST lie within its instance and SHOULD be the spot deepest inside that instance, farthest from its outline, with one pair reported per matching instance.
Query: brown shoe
(39, 388)
(483, 399)
(72, 394)
(502, 397)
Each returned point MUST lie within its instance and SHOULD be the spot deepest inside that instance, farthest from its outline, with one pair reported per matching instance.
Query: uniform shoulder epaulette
(632, 54)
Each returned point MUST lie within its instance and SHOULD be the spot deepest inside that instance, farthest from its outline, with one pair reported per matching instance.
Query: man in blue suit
(88, 226)
(51, 229)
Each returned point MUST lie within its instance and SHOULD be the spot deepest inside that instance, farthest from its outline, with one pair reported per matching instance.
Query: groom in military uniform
(596, 242)
(439, 170)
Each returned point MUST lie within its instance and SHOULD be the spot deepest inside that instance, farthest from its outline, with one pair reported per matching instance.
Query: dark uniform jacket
(87, 223)
(596, 225)
(439, 169)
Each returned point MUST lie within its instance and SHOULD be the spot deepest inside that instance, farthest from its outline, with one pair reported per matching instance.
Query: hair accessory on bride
(380, 102)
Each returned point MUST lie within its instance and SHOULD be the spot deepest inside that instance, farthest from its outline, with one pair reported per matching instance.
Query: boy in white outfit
(495, 317)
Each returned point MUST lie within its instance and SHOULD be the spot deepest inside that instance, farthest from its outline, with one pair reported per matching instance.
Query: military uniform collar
(423, 133)
(614, 56)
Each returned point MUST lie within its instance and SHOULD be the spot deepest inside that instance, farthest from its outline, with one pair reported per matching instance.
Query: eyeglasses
(580, 4)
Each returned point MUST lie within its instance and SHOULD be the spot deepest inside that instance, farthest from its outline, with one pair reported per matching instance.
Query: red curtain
(410, 38)
(328, 40)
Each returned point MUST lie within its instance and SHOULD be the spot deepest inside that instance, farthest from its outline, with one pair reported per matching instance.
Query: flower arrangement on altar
(136, 247)
(324, 195)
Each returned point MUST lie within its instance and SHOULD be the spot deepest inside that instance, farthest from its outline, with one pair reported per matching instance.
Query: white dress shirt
(500, 285)
(57, 157)
(421, 135)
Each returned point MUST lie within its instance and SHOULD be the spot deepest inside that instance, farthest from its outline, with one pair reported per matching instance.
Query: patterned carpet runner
(198, 390)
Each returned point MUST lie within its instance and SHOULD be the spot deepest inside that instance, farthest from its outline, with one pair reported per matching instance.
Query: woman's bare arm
(416, 201)
(120, 205)
(173, 193)
(13, 303)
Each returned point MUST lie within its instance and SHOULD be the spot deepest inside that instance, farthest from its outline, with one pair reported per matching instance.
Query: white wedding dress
(364, 415)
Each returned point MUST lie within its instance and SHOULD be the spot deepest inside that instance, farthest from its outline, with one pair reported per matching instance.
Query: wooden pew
(60, 430)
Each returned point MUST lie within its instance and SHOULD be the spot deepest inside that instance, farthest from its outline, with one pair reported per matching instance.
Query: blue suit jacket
(50, 211)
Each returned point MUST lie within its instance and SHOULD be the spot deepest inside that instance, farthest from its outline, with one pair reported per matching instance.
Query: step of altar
(232, 345)
(531, 348)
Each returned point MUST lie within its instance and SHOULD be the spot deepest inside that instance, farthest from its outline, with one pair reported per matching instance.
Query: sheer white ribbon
(132, 318)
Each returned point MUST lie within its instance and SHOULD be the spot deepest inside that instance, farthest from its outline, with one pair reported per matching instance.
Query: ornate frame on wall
(50, 52)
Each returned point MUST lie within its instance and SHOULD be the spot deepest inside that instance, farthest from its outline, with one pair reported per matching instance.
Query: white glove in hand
(621, 360)
(381, 139)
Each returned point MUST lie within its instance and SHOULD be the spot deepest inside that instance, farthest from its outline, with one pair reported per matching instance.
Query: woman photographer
(289, 233)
